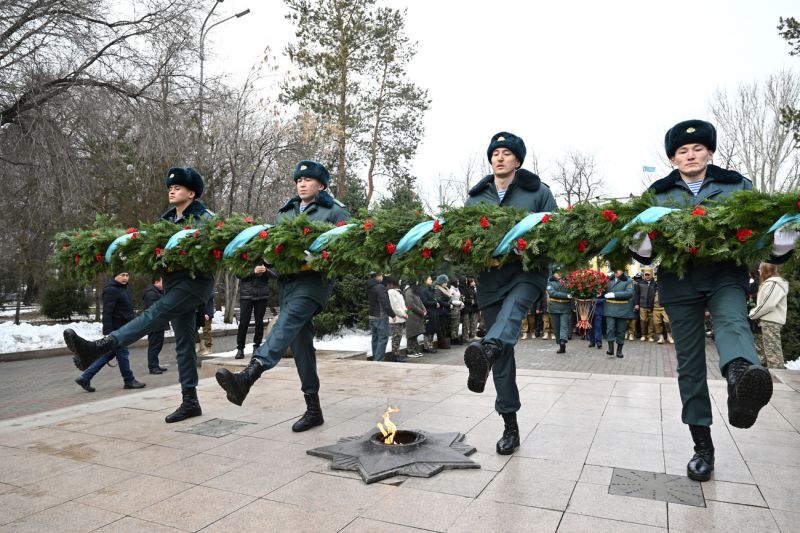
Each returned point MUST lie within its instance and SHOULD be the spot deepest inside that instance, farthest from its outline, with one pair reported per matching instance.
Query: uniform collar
(523, 178)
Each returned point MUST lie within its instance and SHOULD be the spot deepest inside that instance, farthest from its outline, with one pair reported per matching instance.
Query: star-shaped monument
(426, 455)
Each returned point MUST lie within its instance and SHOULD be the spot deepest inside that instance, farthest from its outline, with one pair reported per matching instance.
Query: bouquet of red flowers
(586, 284)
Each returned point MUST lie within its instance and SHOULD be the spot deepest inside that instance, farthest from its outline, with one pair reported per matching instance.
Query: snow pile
(27, 337)
(793, 365)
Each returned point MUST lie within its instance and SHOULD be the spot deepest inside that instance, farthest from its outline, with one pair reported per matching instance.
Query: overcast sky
(607, 78)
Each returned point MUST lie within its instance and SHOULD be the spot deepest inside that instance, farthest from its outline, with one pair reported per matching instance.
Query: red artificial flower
(98, 258)
(66, 246)
(279, 248)
(244, 256)
(77, 259)
(484, 222)
(306, 231)
(368, 225)
(340, 223)
(569, 207)
(390, 248)
(158, 251)
(187, 227)
(130, 230)
(426, 253)
(249, 220)
(743, 234)
(698, 211)
(652, 234)
(196, 234)
(693, 249)
(182, 252)
(582, 245)
(467, 246)
(134, 235)
(545, 218)
(417, 213)
(798, 204)
(521, 244)
(262, 234)
(610, 215)
(217, 254)
(325, 255)
(436, 226)
(220, 224)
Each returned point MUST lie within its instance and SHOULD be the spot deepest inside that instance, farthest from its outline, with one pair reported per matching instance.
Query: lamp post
(203, 33)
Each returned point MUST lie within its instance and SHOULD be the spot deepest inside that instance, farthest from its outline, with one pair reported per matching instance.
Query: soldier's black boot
(479, 359)
(749, 389)
(87, 352)
(619, 351)
(610, 350)
(562, 347)
(510, 440)
(702, 463)
(238, 385)
(239, 353)
(189, 407)
(313, 415)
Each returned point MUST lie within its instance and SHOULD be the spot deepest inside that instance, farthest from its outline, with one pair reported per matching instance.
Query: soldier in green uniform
(303, 295)
(559, 306)
(505, 293)
(618, 310)
(719, 287)
(185, 292)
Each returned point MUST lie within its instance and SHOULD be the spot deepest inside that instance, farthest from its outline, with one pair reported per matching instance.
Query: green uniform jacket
(526, 192)
(195, 215)
(621, 306)
(310, 284)
(672, 191)
(559, 301)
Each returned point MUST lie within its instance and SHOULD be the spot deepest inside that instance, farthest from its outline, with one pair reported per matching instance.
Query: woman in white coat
(770, 311)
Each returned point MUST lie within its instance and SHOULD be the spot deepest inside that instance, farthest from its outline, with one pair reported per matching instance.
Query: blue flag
(645, 168)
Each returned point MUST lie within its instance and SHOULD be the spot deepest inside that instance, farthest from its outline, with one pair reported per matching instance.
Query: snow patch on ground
(793, 365)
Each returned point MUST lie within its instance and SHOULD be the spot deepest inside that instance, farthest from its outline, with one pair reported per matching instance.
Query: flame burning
(388, 429)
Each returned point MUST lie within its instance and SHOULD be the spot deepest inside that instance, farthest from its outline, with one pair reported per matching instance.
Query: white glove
(784, 241)
(644, 248)
(570, 297)
(609, 296)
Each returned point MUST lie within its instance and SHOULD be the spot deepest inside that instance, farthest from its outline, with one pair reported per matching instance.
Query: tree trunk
(373, 147)
(341, 144)
(231, 283)
(20, 274)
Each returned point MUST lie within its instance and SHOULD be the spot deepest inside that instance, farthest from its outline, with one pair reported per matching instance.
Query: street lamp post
(203, 33)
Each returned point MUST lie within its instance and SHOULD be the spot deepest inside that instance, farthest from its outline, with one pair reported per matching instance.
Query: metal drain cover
(216, 427)
(653, 486)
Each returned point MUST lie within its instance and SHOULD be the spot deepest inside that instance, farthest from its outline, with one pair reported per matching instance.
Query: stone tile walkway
(114, 465)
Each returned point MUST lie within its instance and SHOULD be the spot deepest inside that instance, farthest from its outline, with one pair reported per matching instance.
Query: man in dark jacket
(253, 297)
(505, 293)
(155, 339)
(431, 316)
(185, 291)
(719, 287)
(117, 311)
(380, 310)
(303, 295)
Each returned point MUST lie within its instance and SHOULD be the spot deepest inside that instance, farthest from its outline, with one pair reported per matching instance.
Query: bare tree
(576, 179)
(754, 139)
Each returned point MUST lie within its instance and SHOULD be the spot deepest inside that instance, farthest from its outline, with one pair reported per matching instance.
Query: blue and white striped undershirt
(303, 207)
(501, 194)
(694, 186)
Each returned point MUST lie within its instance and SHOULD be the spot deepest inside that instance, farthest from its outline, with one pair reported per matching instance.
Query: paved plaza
(114, 465)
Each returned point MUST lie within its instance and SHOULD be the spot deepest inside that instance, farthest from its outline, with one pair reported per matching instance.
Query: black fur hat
(188, 177)
(690, 132)
(507, 140)
(312, 169)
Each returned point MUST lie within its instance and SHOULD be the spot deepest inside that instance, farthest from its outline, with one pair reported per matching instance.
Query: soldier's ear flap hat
(510, 141)
(311, 169)
(188, 177)
(690, 132)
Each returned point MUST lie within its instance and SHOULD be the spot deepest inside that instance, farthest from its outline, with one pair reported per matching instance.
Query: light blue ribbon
(117, 242)
(175, 239)
(648, 216)
(244, 236)
(520, 228)
(322, 241)
(414, 235)
(785, 219)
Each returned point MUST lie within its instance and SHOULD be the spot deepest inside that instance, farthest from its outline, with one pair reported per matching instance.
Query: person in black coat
(117, 311)
(432, 317)
(253, 297)
(380, 310)
(155, 339)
